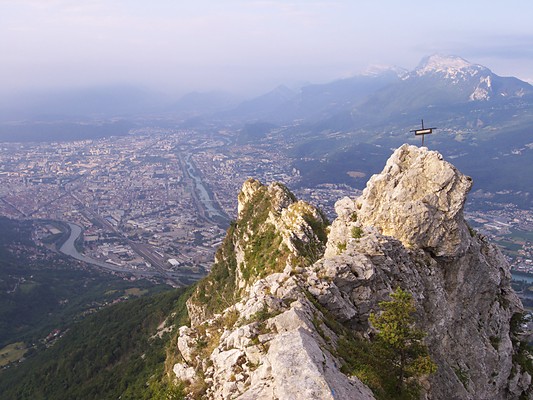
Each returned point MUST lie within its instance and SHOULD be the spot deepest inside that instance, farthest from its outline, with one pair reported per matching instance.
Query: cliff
(285, 311)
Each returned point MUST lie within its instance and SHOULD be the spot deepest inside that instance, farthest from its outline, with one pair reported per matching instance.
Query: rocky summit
(419, 199)
(284, 313)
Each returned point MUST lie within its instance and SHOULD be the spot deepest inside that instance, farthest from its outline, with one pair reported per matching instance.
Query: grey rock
(418, 198)
(410, 234)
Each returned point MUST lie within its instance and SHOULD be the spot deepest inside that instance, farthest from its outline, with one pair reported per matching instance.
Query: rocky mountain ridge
(483, 84)
(438, 80)
(289, 296)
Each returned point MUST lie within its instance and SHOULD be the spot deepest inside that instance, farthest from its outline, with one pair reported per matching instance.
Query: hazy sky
(249, 46)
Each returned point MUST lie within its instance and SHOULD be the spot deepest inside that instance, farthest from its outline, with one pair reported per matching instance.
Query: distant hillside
(313, 102)
(41, 291)
(109, 355)
(61, 130)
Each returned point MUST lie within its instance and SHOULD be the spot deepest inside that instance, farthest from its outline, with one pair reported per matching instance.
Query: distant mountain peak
(449, 66)
(438, 61)
(283, 90)
(375, 70)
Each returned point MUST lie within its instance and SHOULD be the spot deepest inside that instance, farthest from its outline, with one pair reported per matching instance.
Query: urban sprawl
(157, 203)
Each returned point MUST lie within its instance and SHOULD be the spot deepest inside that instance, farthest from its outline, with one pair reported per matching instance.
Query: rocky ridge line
(280, 338)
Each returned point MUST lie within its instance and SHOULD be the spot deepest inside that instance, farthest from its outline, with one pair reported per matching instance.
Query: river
(68, 248)
(201, 191)
(522, 277)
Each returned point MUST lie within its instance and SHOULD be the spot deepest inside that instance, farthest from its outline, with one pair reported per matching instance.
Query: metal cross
(423, 131)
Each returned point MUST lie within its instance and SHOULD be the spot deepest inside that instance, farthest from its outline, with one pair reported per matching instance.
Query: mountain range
(438, 82)
(483, 120)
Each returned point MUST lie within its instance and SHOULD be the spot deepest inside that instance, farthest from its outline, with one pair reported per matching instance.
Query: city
(156, 203)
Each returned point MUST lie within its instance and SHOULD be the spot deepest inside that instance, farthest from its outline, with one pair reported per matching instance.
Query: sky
(251, 46)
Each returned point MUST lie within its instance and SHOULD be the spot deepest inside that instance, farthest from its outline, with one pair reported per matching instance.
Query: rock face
(270, 320)
(419, 199)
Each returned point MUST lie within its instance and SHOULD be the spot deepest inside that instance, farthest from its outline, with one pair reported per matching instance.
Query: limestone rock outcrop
(418, 198)
(270, 319)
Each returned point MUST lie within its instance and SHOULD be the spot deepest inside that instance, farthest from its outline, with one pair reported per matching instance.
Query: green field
(514, 241)
(522, 235)
(12, 353)
(135, 292)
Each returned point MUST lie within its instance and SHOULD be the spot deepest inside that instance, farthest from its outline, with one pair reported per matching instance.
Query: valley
(156, 203)
(148, 205)
(43, 293)
(95, 220)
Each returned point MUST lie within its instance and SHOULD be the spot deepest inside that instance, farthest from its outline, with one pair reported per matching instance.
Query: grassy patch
(495, 342)
(217, 290)
(27, 287)
(137, 292)
(462, 375)
(357, 232)
(312, 249)
(264, 255)
(230, 319)
(12, 353)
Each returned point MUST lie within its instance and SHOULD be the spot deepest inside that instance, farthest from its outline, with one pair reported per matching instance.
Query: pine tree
(400, 342)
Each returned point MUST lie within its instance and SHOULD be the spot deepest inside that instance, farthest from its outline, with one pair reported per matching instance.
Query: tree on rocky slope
(400, 342)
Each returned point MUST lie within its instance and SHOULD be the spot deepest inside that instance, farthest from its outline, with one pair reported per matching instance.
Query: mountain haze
(328, 129)
(314, 102)
(440, 82)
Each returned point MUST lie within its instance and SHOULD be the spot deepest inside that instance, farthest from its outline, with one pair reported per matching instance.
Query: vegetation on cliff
(400, 344)
(109, 355)
(393, 359)
(258, 235)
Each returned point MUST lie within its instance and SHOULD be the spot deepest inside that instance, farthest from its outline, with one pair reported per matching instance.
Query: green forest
(41, 290)
(45, 296)
(109, 355)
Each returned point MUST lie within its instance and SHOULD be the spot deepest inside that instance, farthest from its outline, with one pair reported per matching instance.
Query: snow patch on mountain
(483, 90)
(454, 68)
(376, 70)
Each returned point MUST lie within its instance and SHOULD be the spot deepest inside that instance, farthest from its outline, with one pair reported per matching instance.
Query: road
(141, 249)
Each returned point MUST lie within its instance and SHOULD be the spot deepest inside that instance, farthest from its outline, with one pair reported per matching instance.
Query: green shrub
(495, 342)
(400, 342)
(357, 232)
(462, 375)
